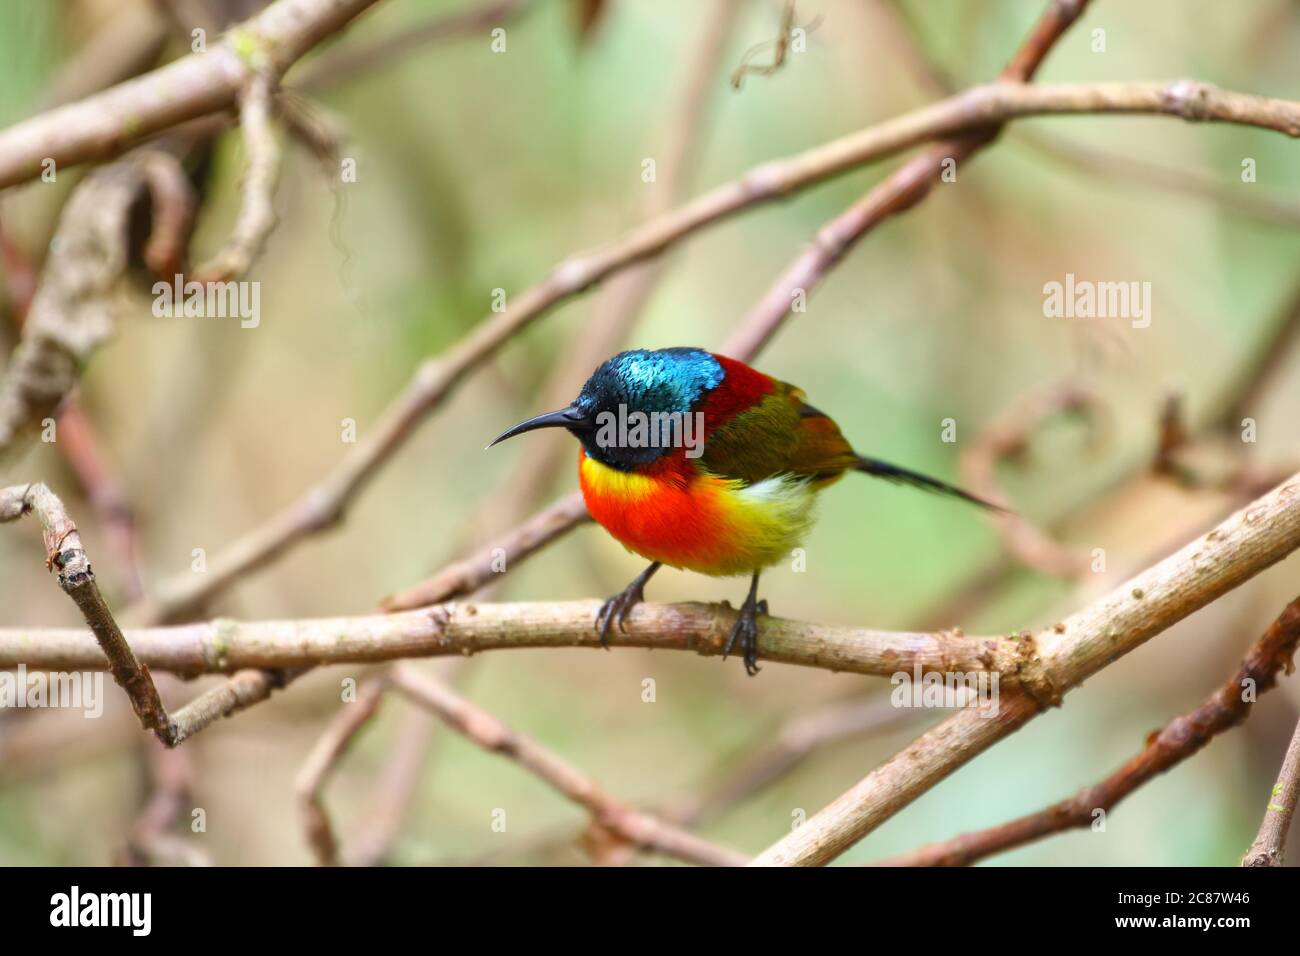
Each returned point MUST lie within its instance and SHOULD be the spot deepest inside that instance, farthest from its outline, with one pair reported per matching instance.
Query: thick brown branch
(223, 646)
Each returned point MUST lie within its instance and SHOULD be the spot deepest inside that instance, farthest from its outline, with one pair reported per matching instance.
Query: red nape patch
(740, 390)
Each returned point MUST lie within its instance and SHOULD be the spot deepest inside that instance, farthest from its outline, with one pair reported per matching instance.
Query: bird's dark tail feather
(902, 476)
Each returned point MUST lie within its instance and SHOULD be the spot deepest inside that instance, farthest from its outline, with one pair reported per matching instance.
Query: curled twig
(257, 210)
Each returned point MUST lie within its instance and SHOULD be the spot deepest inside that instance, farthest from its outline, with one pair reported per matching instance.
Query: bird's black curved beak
(571, 417)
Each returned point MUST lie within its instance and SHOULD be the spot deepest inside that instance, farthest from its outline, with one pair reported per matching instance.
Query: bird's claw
(746, 631)
(617, 609)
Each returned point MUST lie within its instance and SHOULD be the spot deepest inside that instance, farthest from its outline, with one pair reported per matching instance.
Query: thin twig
(798, 738)
(394, 789)
(609, 814)
(780, 45)
(349, 721)
(471, 573)
(1269, 848)
(1003, 438)
(365, 57)
(257, 211)
(244, 689)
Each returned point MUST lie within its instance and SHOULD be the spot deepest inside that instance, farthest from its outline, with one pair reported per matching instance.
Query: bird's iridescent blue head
(661, 389)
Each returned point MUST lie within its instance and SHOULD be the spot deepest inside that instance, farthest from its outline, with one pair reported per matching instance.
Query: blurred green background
(479, 170)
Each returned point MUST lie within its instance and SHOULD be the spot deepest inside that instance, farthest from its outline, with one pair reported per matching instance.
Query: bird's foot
(617, 609)
(746, 631)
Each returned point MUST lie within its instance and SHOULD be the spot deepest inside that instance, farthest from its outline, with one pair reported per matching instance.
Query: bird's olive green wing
(780, 434)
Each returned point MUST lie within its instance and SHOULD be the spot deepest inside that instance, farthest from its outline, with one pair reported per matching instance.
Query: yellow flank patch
(764, 521)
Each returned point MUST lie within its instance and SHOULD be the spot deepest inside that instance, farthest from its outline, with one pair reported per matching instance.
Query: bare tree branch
(900, 191)
(244, 689)
(64, 552)
(902, 37)
(107, 123)
(1246, 543)
(1175, 742)
(224, 645)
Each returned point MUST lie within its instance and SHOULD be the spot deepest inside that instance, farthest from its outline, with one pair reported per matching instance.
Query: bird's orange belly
(704, 523)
